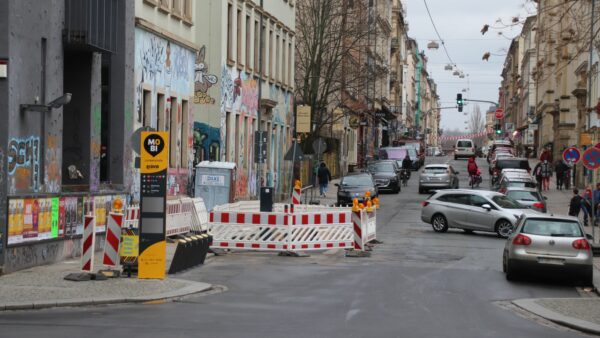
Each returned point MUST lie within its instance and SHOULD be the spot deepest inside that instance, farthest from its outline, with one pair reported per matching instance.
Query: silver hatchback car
(548, 242)
(478, 210)
(437, 176)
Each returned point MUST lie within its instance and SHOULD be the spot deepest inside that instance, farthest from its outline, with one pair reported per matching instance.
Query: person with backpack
(546, 173)
(561, 169)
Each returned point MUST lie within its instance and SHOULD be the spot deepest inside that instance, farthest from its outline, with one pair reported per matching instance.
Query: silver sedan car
(470, 210)
(551, 243)
(437, 176)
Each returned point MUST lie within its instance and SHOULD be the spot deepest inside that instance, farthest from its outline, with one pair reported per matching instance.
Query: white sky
(459, 23)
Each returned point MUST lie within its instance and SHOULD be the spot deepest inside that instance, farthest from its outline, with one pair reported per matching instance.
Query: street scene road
(417, 283)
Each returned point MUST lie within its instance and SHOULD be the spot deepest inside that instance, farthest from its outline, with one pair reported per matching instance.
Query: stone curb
(192, 288)
(574, 323)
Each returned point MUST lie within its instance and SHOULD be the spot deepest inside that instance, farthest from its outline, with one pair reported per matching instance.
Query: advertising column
(154, 163)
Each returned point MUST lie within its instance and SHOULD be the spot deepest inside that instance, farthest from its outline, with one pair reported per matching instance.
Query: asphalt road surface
(416, 284)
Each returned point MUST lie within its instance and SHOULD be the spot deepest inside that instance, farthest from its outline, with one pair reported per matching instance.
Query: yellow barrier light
(117, 205)
(369, 206)
(298, 184)
(355, 207)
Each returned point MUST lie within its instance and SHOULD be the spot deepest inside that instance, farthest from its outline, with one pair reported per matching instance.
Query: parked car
(552, 243)
(355, 186)
(386, 174)
(464, 148)
(434, 151)
(514, 179)
(438, 176)
(509, 163)
(498, 156)
(472, 210)
(529, 197)
(500, 145)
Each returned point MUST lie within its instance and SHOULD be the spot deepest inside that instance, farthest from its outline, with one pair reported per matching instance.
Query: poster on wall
(44, 218)
(54, 218)
(15, 221)
(100, 212)
(61, 217)
(30, 220)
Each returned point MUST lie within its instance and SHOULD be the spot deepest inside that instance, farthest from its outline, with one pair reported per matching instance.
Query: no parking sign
(571, 155)
(591, 158)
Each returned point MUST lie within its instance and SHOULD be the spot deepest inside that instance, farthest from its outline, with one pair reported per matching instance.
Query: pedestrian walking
(537, 173)
(546, 173)
(575, 204)
(546, 155)
(324, 177)
(586, 205)
(596, 201)
(560, 168)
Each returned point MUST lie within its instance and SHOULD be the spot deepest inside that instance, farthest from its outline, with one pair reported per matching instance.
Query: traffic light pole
(483, 101)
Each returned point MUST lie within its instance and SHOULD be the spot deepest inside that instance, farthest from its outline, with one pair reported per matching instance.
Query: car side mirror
(545, 198)
(486, 207)
(589, 236)
(337, 185)
(457, 172)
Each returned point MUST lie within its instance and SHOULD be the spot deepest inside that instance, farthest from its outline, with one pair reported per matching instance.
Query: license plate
(553, 261)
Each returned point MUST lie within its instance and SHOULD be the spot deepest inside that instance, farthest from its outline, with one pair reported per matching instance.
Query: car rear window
(464, 144)
(381, 167)
(513, 164)
(522, 184)
(530, 196)
(549, 227)
(362, 181)
(435, 170)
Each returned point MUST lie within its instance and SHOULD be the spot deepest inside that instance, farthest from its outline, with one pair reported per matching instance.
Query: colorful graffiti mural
(23, 160)
(207, 142)
(165, 68)
(52, 173)
(203, 81)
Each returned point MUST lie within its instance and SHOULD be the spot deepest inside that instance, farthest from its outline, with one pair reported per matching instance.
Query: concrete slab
(559, 313)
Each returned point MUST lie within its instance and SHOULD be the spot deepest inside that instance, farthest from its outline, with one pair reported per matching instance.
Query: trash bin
(266, 199)
(215, 183)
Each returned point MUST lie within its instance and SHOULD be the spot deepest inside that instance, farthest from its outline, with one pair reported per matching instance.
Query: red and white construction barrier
(113, 240)
(88, 244)
(296, 195)
(132, 217)
(453, 138)
(321, 229)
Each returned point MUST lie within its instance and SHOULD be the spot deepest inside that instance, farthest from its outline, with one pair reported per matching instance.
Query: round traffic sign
(591, 158)
(499, 113)
(571, 155)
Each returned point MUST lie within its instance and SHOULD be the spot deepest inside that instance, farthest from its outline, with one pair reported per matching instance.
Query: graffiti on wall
(202, 79)
(52, 173)
(207, 142)
(177, 181)
(165, 68)
(23, 160)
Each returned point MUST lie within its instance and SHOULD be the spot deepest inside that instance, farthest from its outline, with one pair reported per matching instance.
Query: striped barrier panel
(201, 213)
(132, 217)
(281, 231)
(113, 240)
(88, 244)
(296, 195)
(370, 221)
(358, 230)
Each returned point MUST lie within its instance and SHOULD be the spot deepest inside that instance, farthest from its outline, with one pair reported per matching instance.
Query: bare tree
(330, 44)
(477, 120)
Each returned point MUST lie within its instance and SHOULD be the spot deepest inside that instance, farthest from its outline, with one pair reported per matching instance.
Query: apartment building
(231, 86)
(164, 59)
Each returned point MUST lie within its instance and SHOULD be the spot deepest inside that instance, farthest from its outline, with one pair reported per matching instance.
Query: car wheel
(421, 190)
(587, 278)
(439, 223)
(504, 228)
(455, 158)
(398, 189)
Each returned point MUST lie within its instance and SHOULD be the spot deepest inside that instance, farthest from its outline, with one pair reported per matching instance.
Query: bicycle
(404, 177)
(474, 180)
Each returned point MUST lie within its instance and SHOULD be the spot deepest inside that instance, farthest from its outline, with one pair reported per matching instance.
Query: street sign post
(591, 158)
(571, 155)
(154, 163)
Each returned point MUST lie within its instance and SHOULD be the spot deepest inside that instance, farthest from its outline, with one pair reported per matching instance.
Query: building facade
(68, 87)
(230, 89)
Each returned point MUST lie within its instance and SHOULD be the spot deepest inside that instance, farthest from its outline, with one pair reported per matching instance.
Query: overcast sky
(459, 23)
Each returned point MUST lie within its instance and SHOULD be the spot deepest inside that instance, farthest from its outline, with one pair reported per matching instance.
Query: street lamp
(45, 108)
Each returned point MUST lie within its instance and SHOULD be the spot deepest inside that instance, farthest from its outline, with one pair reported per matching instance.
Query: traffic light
(459, 102)
(498, 128)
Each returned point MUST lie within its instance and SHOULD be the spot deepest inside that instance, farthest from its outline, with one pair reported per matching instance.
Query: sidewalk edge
(190, 289)
(581, 325)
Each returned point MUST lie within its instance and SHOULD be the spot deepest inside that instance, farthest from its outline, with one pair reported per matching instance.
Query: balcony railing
(92, 24)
